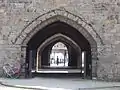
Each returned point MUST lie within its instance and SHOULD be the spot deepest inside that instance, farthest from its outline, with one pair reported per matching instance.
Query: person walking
(57, 60)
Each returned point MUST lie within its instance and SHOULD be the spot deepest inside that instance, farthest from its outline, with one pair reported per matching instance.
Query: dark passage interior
(44, 54)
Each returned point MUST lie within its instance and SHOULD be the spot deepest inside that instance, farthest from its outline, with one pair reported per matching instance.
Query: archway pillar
(94, 68)
(94, 58)
(79, 61)
(23, 60)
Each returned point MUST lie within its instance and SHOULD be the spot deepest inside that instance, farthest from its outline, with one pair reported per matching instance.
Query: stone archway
(57, 15)
(64, 16)
(62, 38)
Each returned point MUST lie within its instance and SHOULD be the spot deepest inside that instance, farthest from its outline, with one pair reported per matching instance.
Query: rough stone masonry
(102, 15)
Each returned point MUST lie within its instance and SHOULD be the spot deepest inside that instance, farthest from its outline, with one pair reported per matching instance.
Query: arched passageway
(39, 46)
(58, 56)
(70, 45)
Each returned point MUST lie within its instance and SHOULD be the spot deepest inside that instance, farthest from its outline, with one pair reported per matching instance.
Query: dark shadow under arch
(55, 28)
(62, 38)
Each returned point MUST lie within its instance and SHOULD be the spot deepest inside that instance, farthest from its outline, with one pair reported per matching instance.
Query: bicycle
(12, 71)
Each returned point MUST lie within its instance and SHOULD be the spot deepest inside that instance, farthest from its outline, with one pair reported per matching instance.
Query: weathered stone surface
(102, 15)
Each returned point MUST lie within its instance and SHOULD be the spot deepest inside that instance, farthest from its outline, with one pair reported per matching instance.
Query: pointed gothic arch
(57, 15)
(63, 16)
(58, 37)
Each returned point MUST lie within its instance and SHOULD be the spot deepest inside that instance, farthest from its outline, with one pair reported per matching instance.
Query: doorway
(40, 53)
(59, 55)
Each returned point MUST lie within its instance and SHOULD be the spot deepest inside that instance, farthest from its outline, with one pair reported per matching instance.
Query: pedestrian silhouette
(57, 60)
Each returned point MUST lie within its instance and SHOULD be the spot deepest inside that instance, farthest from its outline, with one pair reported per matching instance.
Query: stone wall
(103, 15)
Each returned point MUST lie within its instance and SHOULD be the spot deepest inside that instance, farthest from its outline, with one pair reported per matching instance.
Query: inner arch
(59, 38)
(59, 55)
(50, 30)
